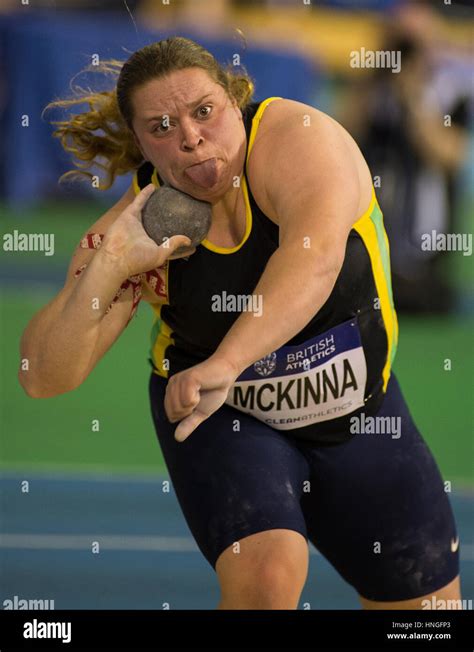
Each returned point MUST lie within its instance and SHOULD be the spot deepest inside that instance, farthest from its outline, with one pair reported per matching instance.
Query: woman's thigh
(233, 477)
(378, 511)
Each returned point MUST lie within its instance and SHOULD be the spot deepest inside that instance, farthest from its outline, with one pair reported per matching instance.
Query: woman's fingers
(141, 199)
(188, 425)
(171, 245)
(182, 396)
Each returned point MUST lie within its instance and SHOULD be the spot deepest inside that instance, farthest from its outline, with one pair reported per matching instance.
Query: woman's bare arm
(313, 185)
(65, 340)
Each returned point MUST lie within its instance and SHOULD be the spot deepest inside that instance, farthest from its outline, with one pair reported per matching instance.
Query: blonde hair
(103, 135)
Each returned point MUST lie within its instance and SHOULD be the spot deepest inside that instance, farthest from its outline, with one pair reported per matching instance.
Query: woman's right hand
(127, 243)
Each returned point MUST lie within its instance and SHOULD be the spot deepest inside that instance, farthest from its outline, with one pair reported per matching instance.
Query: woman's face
(191, 131)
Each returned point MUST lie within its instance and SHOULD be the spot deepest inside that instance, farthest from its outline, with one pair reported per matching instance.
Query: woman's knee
(266, 570)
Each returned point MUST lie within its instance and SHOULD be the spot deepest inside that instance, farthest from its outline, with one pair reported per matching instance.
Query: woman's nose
(191, 136)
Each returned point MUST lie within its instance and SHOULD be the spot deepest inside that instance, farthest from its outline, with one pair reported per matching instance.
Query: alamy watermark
(39, 629)
(390, 59)
(435, 241)
(16, 603)
(225, 302)
(17, 241)
(363, 425)
(434, 603)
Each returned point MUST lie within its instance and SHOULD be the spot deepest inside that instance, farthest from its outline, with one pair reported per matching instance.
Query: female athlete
(271, 387)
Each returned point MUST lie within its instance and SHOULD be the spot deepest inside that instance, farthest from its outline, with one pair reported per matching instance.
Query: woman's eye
(162, 127)
(204, 111)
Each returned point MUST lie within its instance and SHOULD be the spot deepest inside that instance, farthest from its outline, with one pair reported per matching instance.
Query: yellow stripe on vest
(366, 228)
(256, 122)
(135, 185)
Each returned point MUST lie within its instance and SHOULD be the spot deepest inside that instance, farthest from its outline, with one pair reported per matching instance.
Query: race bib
(320, 379)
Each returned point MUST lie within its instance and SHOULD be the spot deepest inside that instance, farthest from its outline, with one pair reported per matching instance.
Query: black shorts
(375, 506)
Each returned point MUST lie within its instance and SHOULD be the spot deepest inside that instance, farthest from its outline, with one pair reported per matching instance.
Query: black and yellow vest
(337, 367)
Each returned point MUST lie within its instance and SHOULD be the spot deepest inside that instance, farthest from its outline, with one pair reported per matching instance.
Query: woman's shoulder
(280, 113)
(282, 122)
(306, 137)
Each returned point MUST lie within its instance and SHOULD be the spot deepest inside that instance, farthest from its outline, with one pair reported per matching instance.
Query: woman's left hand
(193, 395)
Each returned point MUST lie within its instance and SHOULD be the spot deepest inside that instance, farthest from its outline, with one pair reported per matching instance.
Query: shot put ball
(169, 212)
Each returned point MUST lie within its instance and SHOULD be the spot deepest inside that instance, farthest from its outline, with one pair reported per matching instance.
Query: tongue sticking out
(203, 174)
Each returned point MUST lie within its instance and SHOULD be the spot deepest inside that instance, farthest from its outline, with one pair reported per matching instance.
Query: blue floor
(147, 558)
